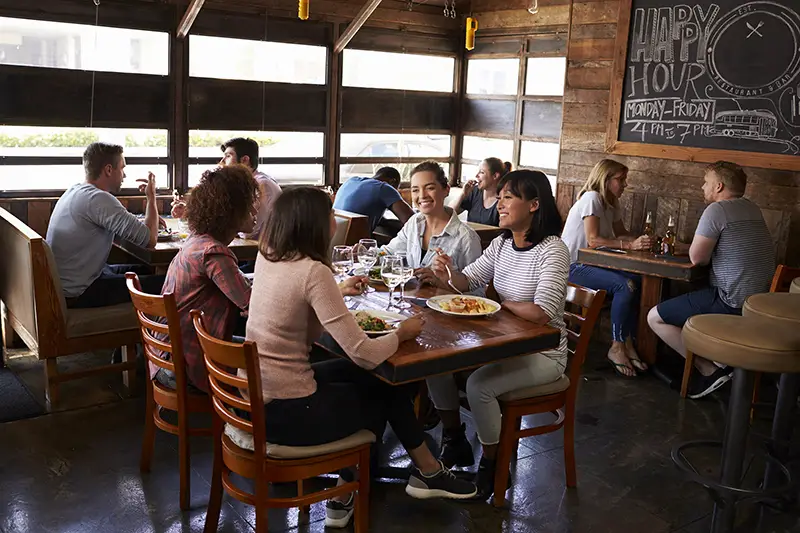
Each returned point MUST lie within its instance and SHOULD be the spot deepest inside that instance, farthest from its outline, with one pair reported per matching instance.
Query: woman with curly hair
(204, 275)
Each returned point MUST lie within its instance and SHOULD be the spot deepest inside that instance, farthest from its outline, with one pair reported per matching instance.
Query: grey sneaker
(442, 484)
(338, 514)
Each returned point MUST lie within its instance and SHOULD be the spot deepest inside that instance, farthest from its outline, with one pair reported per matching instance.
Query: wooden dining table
(161, 256)
(653, 271)
(448, 343)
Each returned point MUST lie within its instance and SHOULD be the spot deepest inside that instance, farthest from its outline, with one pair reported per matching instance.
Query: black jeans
(110, 288)
(348, 399)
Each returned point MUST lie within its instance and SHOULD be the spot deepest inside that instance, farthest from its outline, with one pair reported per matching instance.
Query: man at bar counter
(733, 237)
(371, 197)
(83, 225)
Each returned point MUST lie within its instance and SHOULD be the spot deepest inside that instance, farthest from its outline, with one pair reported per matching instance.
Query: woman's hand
(468, 186)
(410, 328)
(642, 243)
(354, 286)
(426, 275)
(440, 264)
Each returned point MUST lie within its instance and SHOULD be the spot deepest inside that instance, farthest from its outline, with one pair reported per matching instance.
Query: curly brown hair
(222, 201)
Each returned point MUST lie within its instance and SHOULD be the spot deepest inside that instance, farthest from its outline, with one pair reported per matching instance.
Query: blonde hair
(601, 174)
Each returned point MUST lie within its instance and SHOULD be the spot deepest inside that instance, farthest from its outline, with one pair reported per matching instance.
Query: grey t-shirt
(589, 204)
(743, 261)
(81, 233)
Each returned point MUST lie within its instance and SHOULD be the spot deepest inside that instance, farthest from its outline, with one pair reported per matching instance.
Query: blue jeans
(623, 287)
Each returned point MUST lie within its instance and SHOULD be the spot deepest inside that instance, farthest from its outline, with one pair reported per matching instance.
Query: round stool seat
(751, 343)
(775, 305)
(795, 287)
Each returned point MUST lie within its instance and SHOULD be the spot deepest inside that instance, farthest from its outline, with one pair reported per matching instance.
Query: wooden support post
(188, 18)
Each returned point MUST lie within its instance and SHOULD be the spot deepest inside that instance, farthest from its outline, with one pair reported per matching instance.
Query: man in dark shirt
(373, 196)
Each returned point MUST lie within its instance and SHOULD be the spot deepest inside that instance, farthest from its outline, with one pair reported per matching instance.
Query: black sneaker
(442, 484)
(338, 514)
(484, 479)
(704, 385)
(456, 449)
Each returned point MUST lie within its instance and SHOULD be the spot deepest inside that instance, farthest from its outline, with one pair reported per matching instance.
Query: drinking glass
(367, 253)
(342, 261)
(406, 274)
(391, 272)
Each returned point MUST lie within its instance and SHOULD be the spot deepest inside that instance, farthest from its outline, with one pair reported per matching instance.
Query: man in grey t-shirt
(83, 225)
(733, 237)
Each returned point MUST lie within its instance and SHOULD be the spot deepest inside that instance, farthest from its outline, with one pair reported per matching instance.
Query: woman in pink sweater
(294, 297)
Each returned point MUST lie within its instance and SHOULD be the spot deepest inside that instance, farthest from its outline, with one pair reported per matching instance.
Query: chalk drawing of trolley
(746, 124)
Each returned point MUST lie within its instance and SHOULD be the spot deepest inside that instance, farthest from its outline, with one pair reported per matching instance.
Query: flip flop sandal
(638, 367)
(617, 366)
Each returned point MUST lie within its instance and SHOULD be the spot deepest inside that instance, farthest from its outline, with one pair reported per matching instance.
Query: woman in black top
(481, 202)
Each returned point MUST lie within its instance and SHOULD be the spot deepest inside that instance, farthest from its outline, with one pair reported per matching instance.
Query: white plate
(434, 303)
(385, 315)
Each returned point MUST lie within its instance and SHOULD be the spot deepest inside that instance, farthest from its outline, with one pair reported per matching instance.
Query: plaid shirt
(205, 276)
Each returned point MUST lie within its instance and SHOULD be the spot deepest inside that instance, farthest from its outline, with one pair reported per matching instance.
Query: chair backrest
(30, 287)
(157, 336)
(580, 326)
(342, 229)
(223, 361)
(783, 277)
(357, 229)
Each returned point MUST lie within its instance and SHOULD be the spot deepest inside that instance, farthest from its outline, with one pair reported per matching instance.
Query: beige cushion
(342, 225)
(244, 440)
(753, 343)
(82, 322)
(795, 287)
(559, 385)
(776, 305)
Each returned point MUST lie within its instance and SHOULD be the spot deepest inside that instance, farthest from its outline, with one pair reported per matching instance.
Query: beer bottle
(668, 242)
(648, 224)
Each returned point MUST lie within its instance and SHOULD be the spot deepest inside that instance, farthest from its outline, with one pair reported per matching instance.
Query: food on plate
(370, 323)
(375, 274)
(467, 306)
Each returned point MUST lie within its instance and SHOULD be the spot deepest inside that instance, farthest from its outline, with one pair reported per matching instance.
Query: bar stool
(783, 308)
(748, 344)
(795, 288)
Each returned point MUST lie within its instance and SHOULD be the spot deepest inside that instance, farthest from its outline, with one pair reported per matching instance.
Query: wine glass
(342, 261)
(391, 272)
(367, 252)
(406, 274)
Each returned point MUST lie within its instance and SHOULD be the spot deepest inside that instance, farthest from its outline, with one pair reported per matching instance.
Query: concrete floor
(77, 471)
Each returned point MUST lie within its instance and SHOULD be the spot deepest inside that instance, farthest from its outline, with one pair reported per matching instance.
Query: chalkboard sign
(721, 75)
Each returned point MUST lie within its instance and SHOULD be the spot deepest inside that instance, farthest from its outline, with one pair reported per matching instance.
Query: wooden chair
(149, 308)
(557, 398)
(34, 307)
(354, 227)
(240, 445)
(781, 282)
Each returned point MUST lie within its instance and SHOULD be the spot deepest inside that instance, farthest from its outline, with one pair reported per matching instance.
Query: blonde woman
(596, 220)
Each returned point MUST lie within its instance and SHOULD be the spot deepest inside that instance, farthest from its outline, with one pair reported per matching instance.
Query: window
(310, 174)
(539, 155)
(479, 148)
(206, 144)
(545, 76)
(24, 154)
(492, 76)
(239, 59)
(38, 43)
(394, 145)
(387, 70)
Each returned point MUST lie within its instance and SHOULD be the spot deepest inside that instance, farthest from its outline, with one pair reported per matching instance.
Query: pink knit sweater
(291, 303)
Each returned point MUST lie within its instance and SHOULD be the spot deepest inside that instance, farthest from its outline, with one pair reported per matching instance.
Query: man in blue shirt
(371, 197)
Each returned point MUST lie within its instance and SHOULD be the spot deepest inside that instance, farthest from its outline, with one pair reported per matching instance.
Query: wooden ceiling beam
(189, 17)
(356, 25)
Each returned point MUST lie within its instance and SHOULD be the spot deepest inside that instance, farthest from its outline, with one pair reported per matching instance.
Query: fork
(450, 280)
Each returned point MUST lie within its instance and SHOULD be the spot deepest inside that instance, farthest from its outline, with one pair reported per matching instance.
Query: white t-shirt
(589, 204)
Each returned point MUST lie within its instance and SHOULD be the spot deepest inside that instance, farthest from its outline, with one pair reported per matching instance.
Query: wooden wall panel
(253, 106)
(365, 110)
(115, 13)
(408, 42)
(258, 27)
(489, 116)
(542, 119)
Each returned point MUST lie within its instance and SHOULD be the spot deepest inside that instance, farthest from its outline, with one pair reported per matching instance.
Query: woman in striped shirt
(529, 266)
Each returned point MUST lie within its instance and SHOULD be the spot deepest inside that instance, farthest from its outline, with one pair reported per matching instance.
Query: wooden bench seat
(35, 309)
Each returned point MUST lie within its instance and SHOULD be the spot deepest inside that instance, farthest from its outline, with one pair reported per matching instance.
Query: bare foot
(622, 364)
(633, 357)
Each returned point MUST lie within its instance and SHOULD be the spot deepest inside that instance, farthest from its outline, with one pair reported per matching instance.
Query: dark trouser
(624, 290)
(110, 288)
(348, 399)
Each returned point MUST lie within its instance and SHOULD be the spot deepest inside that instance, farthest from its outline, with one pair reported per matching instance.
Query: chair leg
(304, 509)
(262, 510)
(51, 386)
(569, 446)
(183, 462)
(149, 436)
(508, 439)
(361, 523)
(756, 390)
(129, 376)
(687, 371)
(215, 496)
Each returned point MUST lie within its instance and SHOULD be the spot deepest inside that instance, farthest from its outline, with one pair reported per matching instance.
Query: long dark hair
(530, 185)
(298, 226)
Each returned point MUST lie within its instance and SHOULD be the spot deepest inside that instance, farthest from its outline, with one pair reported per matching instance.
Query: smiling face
(486, 180)
(427, 193)
(617, 184)
(229, 157)
(516, 214)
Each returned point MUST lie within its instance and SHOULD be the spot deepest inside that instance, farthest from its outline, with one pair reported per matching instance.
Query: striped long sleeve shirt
(535, 274)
